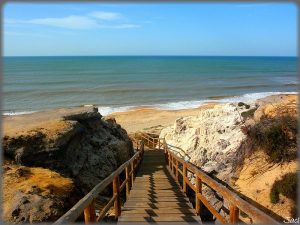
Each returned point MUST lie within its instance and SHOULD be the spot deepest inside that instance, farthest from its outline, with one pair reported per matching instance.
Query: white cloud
(94, 20)
(71, 22)
(109, 16)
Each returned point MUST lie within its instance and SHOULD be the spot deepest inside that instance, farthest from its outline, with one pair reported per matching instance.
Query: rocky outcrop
(210, 140)
(35, 194)
(81, 146)
(216, 140)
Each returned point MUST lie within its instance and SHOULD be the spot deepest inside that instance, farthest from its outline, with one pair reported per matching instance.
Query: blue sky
(265, 29)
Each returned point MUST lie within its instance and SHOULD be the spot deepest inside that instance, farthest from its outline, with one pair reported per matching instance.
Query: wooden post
(127, 181)
(174, 165)
(90, 214)
(158, 143)
(198, 190)
(116, 191)
(132, 174)
(177, 172)
(184, 177)
(234, 214)
(169, 156)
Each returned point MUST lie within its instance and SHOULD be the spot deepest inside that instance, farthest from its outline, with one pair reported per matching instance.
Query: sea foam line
(192, 104)
(106, 110)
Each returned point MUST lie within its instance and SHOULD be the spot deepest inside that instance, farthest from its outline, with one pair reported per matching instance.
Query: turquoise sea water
(120, 83)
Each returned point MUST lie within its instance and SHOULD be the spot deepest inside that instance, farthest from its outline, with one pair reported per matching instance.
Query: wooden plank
(158, 205)
(184, 178)
(151, 223)
(234, 214)
(169, 218)
(155, 200)
(90, 213)
(116, 191)
(127, 177)
(165, 210)
(106, 208)
(198, 190)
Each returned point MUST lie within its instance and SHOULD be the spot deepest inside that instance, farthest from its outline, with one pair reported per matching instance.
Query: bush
(249, 113)
(277, 137)
(286, 186)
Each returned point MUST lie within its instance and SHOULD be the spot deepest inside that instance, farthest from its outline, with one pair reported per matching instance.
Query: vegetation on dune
(286, 186)
(248, 114)
(277, 137)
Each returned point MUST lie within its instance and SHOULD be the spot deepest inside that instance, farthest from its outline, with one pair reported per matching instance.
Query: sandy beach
(153, 120)
(147, 119)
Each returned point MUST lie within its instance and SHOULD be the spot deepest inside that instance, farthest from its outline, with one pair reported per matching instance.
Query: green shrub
(286, 186)
(277, 137)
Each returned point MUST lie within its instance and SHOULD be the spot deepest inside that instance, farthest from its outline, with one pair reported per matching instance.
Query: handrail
(148, 140)
(235, 202)
(87, 203)
(178, 150)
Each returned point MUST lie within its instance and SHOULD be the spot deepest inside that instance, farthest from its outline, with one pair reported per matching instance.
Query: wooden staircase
(155, 196)
(154, 182)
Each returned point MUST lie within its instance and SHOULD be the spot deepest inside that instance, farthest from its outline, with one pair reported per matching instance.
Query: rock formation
(216, 140)
(81, 146)
(210, 140)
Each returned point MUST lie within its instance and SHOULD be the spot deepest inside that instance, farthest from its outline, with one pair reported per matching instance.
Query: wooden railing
(87, 204)
(148, 140)
(180, 169)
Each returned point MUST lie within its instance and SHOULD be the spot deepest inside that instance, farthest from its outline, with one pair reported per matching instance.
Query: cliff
(77, 148)
(237, 144)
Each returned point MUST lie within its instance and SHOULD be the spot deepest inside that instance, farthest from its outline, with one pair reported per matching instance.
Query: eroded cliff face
(210, 140)
(216, 141)
(82, 148)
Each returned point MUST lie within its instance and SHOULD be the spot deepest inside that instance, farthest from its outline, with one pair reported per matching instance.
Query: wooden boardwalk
(155, 196)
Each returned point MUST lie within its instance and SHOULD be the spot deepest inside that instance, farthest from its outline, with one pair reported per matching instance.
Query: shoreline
(179, 105)
(139, 118)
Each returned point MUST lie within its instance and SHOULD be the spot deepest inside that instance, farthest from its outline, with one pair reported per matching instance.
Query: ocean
(120, 83)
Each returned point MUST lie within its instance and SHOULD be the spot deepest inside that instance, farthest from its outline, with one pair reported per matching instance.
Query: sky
(205, 29)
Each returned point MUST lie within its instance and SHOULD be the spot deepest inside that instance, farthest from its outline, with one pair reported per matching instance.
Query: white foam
(248, 98)
(106, 110)
(17, 113)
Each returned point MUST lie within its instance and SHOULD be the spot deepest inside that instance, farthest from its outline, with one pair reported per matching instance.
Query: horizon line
(150, 56)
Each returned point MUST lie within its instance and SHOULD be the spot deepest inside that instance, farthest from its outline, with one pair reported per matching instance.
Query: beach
(153, 120)
(146, 119)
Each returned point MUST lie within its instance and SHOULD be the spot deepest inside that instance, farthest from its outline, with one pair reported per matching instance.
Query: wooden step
(166, 218)
(161, 199)
(156, 205)
(158, 211)
(156, 196)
